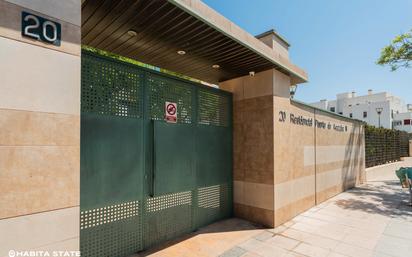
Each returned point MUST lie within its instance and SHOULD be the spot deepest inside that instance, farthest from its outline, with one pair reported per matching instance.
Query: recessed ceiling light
(181, 52)
(132, 33)
(215, 66)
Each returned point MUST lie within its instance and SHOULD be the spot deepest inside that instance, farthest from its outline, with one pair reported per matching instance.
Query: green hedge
(384, 145)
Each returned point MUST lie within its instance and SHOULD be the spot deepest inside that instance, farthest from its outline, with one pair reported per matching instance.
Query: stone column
(39, 130)
(253, 171)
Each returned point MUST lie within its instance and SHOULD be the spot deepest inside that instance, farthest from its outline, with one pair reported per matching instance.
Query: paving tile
(399, 228)
(265, 235)
(330, 233)
(311, 251)
(361, 241)
(369, 227)
(333, 254)
(322, 216)
(283, 242)
(250, 244)
(234, 252)
(277, 230)
(394, 246)
(248, 254)
(288, 224)
(271, 251)
(333, 231)
(262, 248)
(304, 227)
(378, 254)
(352, 251)
(363, 224)
(311, 239)
(314, 222)
(293, 254)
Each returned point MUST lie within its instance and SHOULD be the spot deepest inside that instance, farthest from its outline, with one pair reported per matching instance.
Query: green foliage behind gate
(143, 180)
(384, 145)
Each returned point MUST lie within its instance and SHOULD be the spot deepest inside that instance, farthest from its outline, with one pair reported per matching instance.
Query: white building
(402, 121)
(394, 112)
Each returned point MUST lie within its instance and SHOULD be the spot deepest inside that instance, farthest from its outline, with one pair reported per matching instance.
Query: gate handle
(151, 194)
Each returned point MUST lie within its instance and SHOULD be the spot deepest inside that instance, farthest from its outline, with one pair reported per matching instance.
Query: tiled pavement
(372, 220)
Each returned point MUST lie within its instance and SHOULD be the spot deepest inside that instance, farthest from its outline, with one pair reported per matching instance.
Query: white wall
(372, 116)
(401, 117)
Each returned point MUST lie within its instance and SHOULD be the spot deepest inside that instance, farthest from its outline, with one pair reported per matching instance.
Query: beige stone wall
(253, 159)
(283, 168)
(39, 130)
(340, 157)
(313, 163)
(294, 167)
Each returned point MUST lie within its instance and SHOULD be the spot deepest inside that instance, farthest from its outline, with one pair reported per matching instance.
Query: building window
(365, 114)
(332, 109)
(397, 123)
(350, 105)
(407, 122)
(350, 115)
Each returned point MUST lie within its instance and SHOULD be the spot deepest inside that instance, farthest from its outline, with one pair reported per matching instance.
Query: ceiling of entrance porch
(154, 31)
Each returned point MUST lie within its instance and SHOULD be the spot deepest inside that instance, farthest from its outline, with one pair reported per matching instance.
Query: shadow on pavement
(228, 225)
(385, 198)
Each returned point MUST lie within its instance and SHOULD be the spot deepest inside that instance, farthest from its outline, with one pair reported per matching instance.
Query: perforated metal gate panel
(162, 89)
(213, 108)
(111, 185)
(110, 89)
(167, 216)
(214, 147)
(144, 181)
(214, 203)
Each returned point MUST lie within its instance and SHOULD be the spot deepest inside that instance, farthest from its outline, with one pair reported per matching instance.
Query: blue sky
(336, 41)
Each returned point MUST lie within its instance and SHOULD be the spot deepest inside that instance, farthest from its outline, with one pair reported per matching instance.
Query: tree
(398, 53)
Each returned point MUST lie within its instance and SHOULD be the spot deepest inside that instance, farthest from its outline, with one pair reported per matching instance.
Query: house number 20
(41, 29)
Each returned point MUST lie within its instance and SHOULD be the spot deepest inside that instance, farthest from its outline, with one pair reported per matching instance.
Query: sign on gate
(171, 112)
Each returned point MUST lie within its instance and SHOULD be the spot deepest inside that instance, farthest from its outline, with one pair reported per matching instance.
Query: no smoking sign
(171, 112)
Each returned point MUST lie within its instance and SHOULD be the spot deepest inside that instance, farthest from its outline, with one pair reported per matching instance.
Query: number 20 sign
(41, 29)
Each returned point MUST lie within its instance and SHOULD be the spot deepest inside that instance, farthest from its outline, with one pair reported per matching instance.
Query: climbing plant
(384, 145)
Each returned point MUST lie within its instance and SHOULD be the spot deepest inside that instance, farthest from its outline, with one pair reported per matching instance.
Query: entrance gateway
(144, 180)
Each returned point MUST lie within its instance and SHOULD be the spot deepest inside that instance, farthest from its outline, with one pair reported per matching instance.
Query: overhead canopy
(165, 27)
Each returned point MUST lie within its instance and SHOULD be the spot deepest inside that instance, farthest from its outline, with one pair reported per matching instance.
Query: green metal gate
(144, 180)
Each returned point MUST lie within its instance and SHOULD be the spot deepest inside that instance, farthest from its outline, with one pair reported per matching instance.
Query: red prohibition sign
(171, 109)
